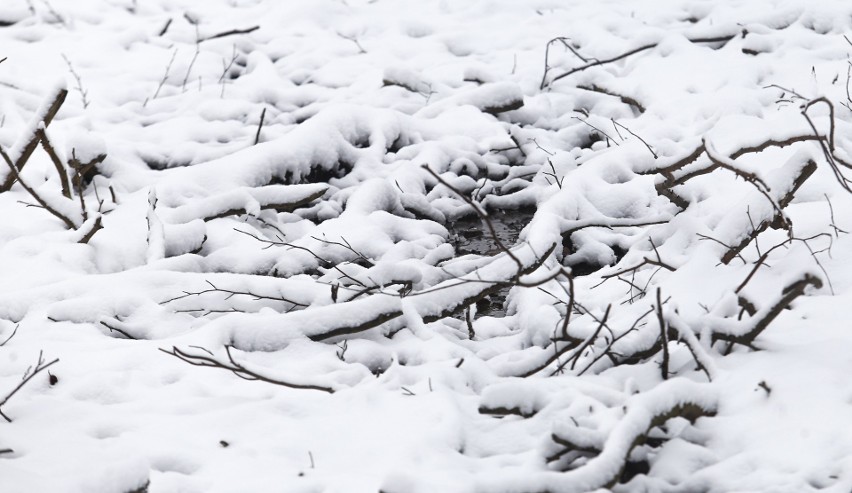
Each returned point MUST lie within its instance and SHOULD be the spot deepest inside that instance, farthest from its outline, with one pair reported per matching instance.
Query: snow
(290, 190)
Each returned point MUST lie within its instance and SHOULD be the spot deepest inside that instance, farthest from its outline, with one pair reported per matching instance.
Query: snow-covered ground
(270, 189)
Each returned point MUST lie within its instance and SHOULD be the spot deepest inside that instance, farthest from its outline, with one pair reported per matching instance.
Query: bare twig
(164, 78)
(113, 328)
(833, 223)
(31, 372)
(231, 293)
(14, 331)
(84, 94)
(664, 338)
(165, 27)
(236, 368)
(259, 126)
(616, 124)
(596, 129)
(354, 39)
(230, 33)
(597, 62)
(341, 355)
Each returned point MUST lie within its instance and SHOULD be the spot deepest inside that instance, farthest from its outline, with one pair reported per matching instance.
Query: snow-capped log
(492, 98)
(184, 238)
(674, 398)
(318, 144)
(772, 134)
(246, 200)
(407, 79)
(763, 208)
(745, 332)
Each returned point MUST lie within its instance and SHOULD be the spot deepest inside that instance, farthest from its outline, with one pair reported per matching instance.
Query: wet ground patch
(471, 235)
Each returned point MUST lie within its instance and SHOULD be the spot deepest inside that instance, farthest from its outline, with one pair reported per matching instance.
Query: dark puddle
(471, 235)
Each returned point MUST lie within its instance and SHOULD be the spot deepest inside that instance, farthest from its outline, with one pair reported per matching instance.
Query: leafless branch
(84, 94)
(597, 62)
(259, 126)
(14, 331)
(31, 372)
(164, 78)
(230, 33)
(231, 293)
(236, 368)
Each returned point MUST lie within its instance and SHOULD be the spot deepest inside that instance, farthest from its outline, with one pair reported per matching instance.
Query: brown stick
(788, 294)
(30, 147)
(57, 163)
(96, 226)
(230, 33)
(259, 126)
(803, 175)
(664, 340)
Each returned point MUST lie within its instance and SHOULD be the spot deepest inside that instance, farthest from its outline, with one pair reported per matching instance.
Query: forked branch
(31, 372)
(238, 369)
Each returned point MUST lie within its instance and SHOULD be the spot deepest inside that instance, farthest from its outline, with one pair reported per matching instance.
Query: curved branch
(237, 368)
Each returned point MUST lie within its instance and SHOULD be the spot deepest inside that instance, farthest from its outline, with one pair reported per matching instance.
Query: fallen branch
(259, 126)
(230, 33)
(46, 115)
(644, 412)
(280, 198)
(231, 293)
(596, 62)
(624, 99)
(664, 339)
(236, 368)
(114, 328)
(31, 372)
(780, 200)
(95, 226)
(57, 163)
(13, 172)
(761, 261)
(745, 334)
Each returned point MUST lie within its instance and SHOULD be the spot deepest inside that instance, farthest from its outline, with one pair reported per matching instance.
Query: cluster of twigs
(60, 207)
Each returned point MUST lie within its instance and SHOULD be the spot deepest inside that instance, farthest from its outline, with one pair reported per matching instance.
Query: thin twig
(597, 62)
(230, 33)
(237, 368)
(84, 94)
(259, 126)
(15, 331)
(31, 372)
